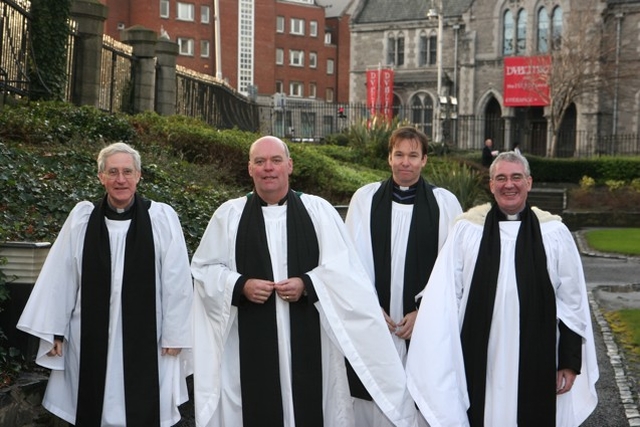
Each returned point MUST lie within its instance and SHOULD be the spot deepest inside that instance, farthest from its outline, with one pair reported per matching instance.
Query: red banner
(526, 81)
(380, 92)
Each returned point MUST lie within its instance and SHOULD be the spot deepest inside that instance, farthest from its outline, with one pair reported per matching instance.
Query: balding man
(280, 300)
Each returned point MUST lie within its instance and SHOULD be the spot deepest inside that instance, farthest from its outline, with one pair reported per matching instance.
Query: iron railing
(14, 47)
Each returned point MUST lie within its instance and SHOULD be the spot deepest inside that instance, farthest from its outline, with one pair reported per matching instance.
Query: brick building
(299, 48)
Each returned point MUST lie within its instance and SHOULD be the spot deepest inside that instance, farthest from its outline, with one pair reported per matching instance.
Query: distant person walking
(488, 153)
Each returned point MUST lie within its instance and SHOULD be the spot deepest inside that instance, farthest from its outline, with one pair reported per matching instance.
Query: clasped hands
(259, 290)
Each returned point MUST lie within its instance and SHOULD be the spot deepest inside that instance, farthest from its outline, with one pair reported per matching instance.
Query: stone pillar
(508, 134)
(167, 54)
(90, 16)
(143, 41)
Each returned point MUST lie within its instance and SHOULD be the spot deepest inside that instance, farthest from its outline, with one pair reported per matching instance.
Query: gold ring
(286, 297)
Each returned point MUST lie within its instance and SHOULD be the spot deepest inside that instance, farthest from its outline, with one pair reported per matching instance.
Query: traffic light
(341, 114)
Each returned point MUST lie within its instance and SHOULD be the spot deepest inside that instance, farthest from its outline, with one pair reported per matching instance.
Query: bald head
(270, 166)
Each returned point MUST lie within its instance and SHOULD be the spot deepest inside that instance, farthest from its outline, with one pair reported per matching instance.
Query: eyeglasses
(516, 178)
(113, 174)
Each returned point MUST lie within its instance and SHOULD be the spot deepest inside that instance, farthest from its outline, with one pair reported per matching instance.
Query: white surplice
(435, 367)
(54, 309)
(358, 223)
(349, 314)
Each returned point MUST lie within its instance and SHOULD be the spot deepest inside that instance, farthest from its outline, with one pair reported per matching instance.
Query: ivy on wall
(49, 38)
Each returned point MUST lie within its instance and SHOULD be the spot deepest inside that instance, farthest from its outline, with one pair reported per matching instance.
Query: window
(279, 56)
(205, 14)
(313, 59)
(246, 36)
(507, 31)
(296, 89)
(327, 38)
(424, 50)
(428, 50)
(296, 58)
(185, 12)
(556, 28)
(521, 44)
(279, 24)
(185, 46)
(312, 90)
(313, 28)
(328, 94)
(204, 48)
(279, 86)
(391, 50)
(164, 8)
(433, 49)
(543, 31)
(297, 26)
(395, 50)
(330, 66)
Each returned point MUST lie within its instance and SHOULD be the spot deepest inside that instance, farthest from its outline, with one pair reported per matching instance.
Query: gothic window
(395, 50)
(507, 42)
(521, 44)
(391, 50)
(543, 31)
(556, 28)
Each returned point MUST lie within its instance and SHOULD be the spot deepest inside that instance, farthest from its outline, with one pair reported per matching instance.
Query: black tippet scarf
(139, 335)
(422, 247)
(422, 250)
(537, 362)
(259, 371)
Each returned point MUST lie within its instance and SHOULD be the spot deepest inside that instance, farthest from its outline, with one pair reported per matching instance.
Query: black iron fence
(311, 121)
(115, 76)
(14, 47)
(205, 97)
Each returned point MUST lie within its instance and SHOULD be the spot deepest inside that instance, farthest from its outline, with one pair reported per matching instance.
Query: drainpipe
(216, 11)
(456, 27)
(616, 82)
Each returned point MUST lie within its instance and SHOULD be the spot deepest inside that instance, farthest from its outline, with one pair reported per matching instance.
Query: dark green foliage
(545, 169)
(59, 122)
(49, 36)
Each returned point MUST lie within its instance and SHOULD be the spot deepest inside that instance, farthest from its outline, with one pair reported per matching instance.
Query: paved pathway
(613, 284)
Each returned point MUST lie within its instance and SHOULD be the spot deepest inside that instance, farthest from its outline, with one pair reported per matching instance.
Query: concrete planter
(24, 262)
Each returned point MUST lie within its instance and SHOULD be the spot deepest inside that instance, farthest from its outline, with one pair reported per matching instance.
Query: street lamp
(431, 14)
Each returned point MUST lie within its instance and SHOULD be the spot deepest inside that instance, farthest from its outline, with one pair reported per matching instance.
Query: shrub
(587, 183)
(461, 180)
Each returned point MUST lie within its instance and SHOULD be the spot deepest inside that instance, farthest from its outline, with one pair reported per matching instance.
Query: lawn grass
(616, 240)
(625, 324)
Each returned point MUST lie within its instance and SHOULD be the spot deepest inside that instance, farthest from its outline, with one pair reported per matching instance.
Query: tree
(578, 70)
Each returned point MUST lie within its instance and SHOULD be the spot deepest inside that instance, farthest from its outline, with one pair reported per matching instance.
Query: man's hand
(290, 289)
(57, 349)
(405, 326)
(390, 323)
(565, 380)
(170, 351)
(258, 290)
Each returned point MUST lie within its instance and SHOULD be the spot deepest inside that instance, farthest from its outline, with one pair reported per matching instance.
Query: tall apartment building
(299, 48)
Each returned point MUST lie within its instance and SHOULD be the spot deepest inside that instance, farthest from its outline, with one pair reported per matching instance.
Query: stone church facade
(449, 61)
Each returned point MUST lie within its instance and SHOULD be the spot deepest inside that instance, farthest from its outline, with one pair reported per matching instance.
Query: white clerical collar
(514, 217)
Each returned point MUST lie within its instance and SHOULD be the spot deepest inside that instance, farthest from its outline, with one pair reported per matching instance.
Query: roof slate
(373, 11)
